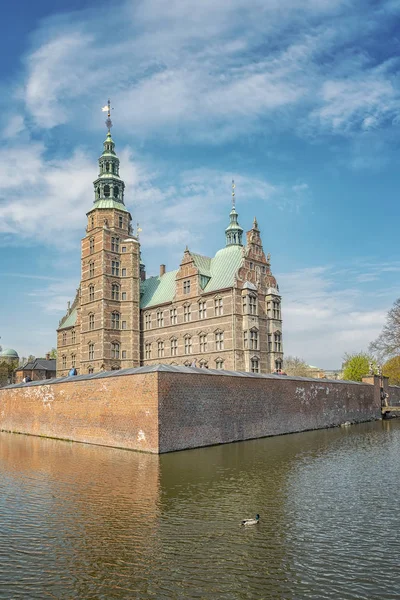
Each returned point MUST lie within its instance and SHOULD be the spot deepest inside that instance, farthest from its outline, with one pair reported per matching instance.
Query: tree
(387, 344)
(293, 365)
(357, 365)
(391, 369)
(53, 353)
(31, 358)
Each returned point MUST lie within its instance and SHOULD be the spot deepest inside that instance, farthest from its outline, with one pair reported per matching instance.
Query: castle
(224, 311)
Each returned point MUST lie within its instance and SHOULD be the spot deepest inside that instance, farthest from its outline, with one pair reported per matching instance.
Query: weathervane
(107, 108)
(233, 193)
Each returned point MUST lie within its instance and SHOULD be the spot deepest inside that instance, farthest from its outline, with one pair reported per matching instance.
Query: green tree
(391, 369)
(387, 344)
(293, 365)
(53, 353)
(357, 365)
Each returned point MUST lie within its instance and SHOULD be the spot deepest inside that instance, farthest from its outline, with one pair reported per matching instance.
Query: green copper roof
(224, 267)
(108, 203)
(157, 290)
(69, 320)
(221, 270)
(203, 263)
(9, 353)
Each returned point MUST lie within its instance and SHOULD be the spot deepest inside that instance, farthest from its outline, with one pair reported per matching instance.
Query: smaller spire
(233, 232)
(255, 224)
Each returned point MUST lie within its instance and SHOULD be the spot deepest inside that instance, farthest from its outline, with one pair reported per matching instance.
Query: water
(93, 523)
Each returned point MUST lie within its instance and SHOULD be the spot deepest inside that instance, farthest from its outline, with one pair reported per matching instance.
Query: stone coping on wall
(162, 368)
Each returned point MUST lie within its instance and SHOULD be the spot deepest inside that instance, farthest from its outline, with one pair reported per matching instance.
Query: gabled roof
(220, 272)
(39, 364)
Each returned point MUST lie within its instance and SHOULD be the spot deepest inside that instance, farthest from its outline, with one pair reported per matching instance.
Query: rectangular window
(120, 222)
(64, 362)
(245, 340)
(269, 309)
(186, 286)
(90, 370)
(203, 343)
(73, 360)
(123, 324)
(123, 295)
(147, 320)
(73, 336)
(252, 305)
(123, 248)
(91, 293)
(173, 316)
(160, 349)
(254, 364)
(115, 350)
(114, 244)
(115, 320)
(91, 269)
(160, 318)
(91, 321)
(253, 340)
(276, 312)
(219, 340)
(269, 342)
(174, 347)
(219, 364)
(64, 339)
(219, 309)
(123, 353)
(123, 272)
(148, 351)
(187, 315)
(188, 345)
(91, 245)
(91, 351)
(203, 310)
(115, 267)
(277, 340)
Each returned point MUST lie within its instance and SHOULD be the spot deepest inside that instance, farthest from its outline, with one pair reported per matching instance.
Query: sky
(298, 101)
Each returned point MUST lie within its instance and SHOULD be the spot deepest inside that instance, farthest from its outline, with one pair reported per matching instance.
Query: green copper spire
(233, 232)
(109, 187)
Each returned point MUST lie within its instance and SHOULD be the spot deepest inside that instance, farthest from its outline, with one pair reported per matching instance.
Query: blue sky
(298, 101)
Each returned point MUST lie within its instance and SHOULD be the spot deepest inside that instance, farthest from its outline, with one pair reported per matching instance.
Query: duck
(251, 521)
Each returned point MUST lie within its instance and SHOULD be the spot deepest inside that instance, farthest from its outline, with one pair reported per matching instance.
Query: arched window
(115, 319)
(116, 191)
(115, 350)
(115, 291)
(107, 166)
(91, 293)
(98, 191)
(91, 321)
(106, 191)
(91, 351)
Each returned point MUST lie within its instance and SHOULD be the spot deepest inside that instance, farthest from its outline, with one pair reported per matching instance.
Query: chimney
(48, 356)
(162, 270)
(68, 306)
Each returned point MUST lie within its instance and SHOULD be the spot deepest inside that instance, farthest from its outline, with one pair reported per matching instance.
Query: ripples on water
(95, 523)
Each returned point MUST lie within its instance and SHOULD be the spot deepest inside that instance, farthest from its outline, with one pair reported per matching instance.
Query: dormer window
(186, 286)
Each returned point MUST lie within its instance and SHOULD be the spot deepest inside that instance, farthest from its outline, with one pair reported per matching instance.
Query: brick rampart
(176, 408)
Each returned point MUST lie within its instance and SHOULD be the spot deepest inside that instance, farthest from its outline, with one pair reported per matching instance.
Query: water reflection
(82, 521)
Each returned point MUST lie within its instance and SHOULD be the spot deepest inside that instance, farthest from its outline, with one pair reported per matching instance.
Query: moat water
(80, 521)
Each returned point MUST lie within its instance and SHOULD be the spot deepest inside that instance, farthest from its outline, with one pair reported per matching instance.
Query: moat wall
(162, 409)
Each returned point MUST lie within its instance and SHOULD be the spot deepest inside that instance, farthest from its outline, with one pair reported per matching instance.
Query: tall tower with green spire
(106, 329)
(233, 232)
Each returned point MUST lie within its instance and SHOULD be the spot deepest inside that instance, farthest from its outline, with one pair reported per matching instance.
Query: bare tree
(293, 365)
(387, 343)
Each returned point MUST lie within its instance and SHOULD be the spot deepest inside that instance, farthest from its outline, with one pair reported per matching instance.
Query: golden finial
(233, 193)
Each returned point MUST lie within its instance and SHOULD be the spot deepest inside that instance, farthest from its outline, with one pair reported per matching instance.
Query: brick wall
(167, 410)
(111, 411)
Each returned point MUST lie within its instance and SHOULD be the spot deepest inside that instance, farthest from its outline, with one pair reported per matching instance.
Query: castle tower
(108, 313)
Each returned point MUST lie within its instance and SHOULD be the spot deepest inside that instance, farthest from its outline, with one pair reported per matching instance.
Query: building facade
(219, 313)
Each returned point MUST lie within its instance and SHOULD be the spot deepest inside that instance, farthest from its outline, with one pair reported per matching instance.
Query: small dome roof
(9, 353)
